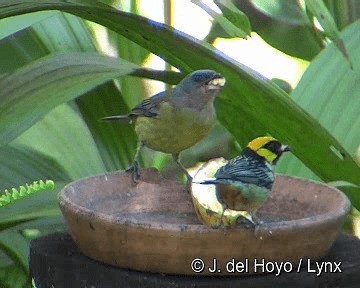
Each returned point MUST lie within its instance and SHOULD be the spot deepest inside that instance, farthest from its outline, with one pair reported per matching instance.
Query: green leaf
(234, 22)
(30, 92)
(18, 50)
(57, 137)
(12, 277)
(133, 89)
(329, 90)
(44, 225)
(12, 25)
(322, 14)
(57, 134)
(343, 12)
(61, 33)
(288, 11)
(16, 246)
(20, 165)
(283, 24)
(24, 191)
(5, 261)
(114, 144)
(235, 16)
(342, 184)
(33, 207)
(260, 105)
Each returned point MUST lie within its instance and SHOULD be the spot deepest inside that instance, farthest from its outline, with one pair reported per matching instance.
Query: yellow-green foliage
(23, 191)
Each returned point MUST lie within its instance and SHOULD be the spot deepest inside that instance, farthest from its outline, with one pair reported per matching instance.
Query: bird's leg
(134, 168)
(250, 220)
(188, 176)
(256, 219)
(245, 222)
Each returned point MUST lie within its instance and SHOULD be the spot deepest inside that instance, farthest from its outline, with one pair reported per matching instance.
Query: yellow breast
(175, 130)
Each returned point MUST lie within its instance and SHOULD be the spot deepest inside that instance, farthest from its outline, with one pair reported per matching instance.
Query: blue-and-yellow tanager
(245, 182)
(174, 120)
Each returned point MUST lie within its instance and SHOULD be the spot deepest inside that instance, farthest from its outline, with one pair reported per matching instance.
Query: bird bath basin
(153, 226)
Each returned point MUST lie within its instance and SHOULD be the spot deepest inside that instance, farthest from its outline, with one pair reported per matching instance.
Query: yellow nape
(259, 142)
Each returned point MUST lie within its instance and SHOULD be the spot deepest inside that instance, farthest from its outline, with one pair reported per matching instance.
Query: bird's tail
(208, 182)
(122, 118)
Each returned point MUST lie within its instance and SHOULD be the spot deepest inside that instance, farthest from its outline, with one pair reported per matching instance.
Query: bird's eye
(273, 146)
(199, 78)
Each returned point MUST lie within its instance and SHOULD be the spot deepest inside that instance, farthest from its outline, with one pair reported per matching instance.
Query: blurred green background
(57, 79)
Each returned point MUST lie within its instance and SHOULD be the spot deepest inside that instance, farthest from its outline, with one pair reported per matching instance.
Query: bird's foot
(246, 223)
(188, 182)
(134, 170)
(187, 189)
(256, 219)
(249, 222)
(188, 176)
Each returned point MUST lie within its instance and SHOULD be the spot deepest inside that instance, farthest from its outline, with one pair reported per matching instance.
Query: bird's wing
(246, 170)
(150, 107)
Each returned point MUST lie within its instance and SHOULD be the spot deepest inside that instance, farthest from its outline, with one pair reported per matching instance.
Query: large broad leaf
(283, 24)
(322, 14)
(11, 25)
(329, 90)
(57, 135)
(12, 276)
(19, 166)
(25, 165)
(30, 92)
(261, 106)
(233, 21)
(288, 11)
(16, 247)
(115, 143)
(132, 89)
(343, 12)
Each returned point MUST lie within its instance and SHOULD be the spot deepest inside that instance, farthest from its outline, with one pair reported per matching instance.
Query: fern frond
(16, 194)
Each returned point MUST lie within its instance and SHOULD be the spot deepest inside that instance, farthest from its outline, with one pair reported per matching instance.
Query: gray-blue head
(209, 79)
(200, 86)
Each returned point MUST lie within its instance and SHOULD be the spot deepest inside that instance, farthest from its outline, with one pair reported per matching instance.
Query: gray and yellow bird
(174, 120)
(245, 182)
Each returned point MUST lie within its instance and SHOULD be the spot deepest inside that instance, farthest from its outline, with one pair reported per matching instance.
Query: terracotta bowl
(153, 227)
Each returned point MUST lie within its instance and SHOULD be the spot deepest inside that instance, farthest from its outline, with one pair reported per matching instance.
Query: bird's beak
(217, 82)
(285, 148)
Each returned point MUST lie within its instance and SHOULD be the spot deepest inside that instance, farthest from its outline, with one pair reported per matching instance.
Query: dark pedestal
(55, 261)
